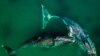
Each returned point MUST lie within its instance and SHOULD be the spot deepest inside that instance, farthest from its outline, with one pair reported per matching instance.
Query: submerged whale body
(75, 35)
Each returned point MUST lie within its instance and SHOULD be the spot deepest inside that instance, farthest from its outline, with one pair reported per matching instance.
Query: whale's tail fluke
(10, 51)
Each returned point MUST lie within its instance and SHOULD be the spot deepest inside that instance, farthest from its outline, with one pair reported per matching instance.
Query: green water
(22, 19)
(69, 50)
